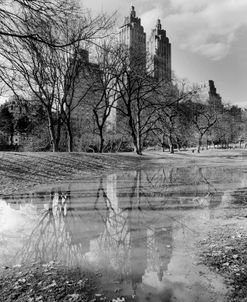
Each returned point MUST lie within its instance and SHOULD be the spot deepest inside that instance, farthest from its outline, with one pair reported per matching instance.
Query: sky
(208, 37)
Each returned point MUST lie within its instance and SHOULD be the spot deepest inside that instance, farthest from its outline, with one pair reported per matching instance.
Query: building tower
(160, 52)
(214, 99)
(133, 36)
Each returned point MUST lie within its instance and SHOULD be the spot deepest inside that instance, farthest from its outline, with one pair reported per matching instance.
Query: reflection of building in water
(131, 242)
(159, 250)
(117, 225)
(62, 231)
(112, 245)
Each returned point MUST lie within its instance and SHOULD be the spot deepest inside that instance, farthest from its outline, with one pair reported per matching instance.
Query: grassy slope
(20, 171)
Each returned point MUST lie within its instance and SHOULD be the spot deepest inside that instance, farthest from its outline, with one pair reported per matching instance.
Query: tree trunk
(52, 133)
(199, 144)
(58, 133)
(137, 149)
(138, 135)
(163, 143)
(69, 139)
(134, 137)
(171, 147)
(138, 144)
(102, 141)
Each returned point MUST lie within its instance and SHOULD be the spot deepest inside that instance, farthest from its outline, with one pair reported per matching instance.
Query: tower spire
(158, 25)
(133, 12)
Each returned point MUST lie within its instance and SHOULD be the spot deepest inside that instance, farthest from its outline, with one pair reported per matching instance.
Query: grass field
(21, 171)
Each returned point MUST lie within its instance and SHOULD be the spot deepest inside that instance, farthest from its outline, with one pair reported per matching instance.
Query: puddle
(139, 229)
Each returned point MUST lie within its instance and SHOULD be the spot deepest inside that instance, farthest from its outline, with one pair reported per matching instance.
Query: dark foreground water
(139, 229)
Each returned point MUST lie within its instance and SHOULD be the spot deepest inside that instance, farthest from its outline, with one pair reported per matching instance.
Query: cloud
(207, 27)
(149, 19)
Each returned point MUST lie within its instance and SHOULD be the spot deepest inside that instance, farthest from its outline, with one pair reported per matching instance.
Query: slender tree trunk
(102, 141)
(163, 143)
(199, 144)
(171, 147)
(58, 133)
(52, 133)
(137, 148)
(138, 134)
(134, 136)
(69, 138)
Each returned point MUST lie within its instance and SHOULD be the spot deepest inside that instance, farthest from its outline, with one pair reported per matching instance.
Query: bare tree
(203, 117)
(105, 91)
(166, 126)
(25, 19)
(46, 70)
(170, 119)
(137, 89)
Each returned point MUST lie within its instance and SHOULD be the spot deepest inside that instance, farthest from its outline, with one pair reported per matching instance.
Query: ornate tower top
(158, 25)
(133, 12)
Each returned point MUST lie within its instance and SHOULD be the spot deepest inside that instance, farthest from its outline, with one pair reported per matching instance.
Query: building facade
(159, 49)
(152, 59)
(132, 35)
(156, 53)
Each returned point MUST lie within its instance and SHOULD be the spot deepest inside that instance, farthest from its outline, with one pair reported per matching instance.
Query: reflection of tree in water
(175, 187)
(132, 242)
(130, 224)
(59, 233)
(138, 239)
(125, 233)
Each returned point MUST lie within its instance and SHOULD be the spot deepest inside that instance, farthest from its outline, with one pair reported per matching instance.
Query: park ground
(224, 250)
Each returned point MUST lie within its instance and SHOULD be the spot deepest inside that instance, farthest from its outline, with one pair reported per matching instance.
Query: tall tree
(105, 91)
(25, 19)
(203, 117)
(137, 89)
(49, 70)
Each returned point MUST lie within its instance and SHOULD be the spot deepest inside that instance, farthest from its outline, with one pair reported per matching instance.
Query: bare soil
(48, 283)
(225, 252)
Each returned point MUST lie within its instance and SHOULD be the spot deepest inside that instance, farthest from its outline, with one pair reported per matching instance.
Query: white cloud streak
(205, 27)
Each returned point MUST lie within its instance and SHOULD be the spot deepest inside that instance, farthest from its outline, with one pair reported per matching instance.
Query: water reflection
(137, 226)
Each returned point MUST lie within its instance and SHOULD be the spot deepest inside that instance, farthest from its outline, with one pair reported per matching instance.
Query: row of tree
(43, 60)
(40, 51)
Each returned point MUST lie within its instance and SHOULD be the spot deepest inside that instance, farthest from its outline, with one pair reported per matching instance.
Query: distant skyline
(209, 38)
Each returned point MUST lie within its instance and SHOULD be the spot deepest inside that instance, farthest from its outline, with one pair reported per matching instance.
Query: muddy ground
(48, 283)
(224, 250)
